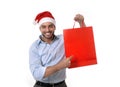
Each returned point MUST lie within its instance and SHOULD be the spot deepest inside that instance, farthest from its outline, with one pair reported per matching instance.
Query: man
(47, 56)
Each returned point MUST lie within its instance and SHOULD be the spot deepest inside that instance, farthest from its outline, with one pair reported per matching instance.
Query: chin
(48, 37)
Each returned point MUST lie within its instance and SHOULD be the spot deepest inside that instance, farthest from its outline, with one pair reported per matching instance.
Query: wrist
(82, 23)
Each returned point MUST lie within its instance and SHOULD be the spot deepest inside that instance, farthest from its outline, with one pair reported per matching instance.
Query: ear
(55, 27)
(40, 28)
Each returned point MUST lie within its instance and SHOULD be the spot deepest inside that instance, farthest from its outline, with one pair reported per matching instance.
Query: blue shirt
(42, 55)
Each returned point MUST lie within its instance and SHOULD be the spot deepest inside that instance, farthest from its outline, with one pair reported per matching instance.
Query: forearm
(52, 69)
(61, 65)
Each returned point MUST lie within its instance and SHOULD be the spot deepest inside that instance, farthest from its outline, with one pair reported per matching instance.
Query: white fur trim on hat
(47, 19)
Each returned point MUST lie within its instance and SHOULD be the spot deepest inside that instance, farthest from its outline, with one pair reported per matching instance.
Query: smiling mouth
(47, 34)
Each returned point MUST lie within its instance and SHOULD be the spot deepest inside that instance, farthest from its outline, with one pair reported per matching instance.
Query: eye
(51, 26)
(43, 27)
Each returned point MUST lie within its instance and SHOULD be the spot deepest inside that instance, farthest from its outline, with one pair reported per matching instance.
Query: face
(47, 29)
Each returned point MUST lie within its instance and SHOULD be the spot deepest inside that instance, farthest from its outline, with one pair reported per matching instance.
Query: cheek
(53, 29)
(41, 30)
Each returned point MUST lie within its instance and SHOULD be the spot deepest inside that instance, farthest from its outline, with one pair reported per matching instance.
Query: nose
(47, 29)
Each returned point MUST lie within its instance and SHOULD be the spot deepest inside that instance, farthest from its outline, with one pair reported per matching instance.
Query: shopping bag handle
(74, 25)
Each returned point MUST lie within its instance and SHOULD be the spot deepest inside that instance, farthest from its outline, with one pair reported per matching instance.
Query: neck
(48, 40)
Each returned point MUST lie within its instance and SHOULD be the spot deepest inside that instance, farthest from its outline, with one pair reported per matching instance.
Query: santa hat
(43, 17)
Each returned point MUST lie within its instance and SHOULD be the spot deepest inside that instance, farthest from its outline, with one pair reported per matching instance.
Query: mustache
(48, 32)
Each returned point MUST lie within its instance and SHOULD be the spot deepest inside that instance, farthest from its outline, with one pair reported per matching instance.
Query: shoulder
(60, 39)
(59, 36)
(34, 45)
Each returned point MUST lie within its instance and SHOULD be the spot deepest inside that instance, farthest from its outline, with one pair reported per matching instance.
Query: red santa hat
(43, 17)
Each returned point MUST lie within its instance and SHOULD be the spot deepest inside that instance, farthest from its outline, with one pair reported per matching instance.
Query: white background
(17, 33)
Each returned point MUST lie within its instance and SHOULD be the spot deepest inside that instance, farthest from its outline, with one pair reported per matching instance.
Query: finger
(77, 14)
(71, 57)
(69, 62)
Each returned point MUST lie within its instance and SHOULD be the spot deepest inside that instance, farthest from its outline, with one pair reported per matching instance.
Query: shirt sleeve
(36, 67)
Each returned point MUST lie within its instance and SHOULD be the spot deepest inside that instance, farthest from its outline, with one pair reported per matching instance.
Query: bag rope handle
(74, 25)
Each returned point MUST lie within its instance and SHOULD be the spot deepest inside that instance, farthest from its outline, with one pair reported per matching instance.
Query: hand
(79, 18)
(61, 65)
(68, 61)
(65, 62)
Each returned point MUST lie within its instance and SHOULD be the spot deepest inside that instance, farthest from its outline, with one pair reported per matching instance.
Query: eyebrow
(48, 25)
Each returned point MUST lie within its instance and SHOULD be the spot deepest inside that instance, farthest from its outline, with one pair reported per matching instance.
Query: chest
(50, 54)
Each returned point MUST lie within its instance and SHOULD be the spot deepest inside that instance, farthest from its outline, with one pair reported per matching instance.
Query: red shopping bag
(79, 42)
